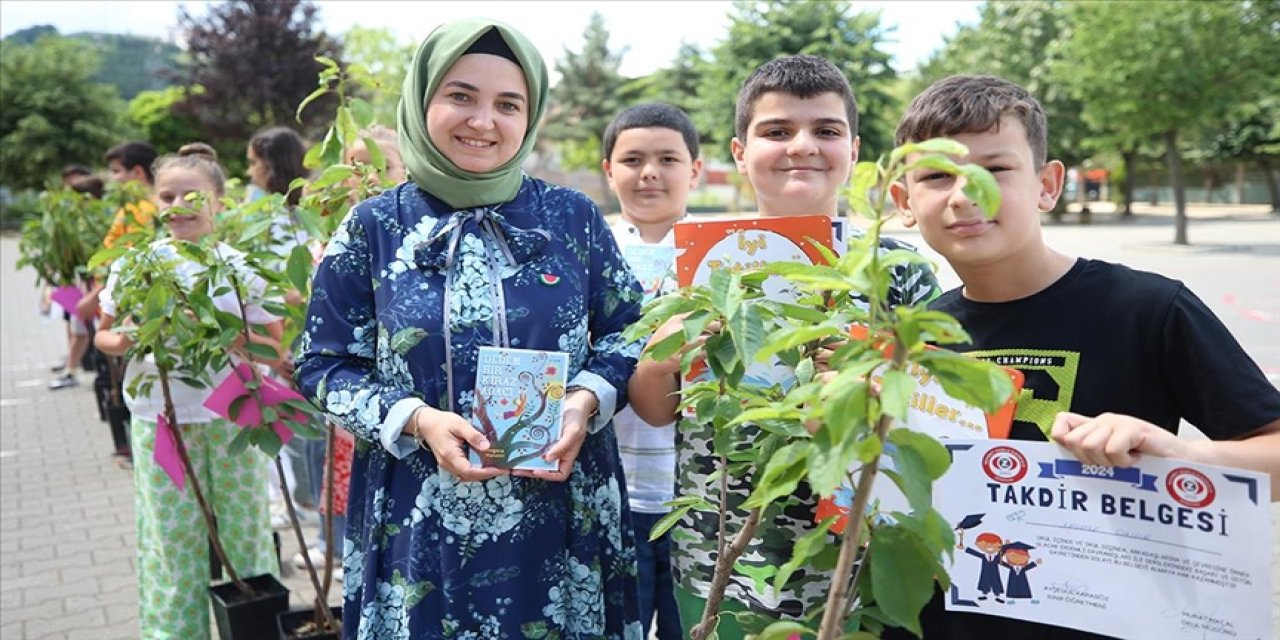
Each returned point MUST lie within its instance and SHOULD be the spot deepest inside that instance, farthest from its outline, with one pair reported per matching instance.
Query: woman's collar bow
(515, 244)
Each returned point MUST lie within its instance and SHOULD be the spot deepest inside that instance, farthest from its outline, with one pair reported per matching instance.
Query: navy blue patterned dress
(426, 556)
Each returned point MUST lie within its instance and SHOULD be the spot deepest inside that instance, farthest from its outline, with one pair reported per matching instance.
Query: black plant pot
(241, 618)
(290, 621)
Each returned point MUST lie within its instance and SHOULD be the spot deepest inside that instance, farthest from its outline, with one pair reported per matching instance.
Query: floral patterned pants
(173, 546)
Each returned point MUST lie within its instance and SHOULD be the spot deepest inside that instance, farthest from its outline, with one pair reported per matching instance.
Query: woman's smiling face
(479, 114)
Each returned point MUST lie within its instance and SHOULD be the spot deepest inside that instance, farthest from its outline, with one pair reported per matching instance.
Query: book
(743, 244)
(652, 265)
(931, 411)
(518, 396)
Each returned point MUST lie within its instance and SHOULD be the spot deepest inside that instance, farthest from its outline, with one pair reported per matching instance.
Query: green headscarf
(427, 167)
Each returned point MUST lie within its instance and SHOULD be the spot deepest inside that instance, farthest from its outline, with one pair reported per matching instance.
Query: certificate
(1165, 549)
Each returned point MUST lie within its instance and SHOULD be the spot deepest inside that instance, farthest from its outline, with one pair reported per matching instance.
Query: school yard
(66, 510)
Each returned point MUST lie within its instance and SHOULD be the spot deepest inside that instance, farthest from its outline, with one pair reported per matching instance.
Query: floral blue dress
(408, 289)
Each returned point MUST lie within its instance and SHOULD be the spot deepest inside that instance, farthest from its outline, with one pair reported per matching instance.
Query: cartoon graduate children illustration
(1016, 557)
(989, 546)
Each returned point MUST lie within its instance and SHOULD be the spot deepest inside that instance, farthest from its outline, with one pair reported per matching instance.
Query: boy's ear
(1052, 176)
(857, 144)
(137, 173)
(898, 191)
(738, 149)
(607, 168)
(695, 173)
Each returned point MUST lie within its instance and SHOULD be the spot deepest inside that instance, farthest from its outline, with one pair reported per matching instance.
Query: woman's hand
(578, 408)
(448, 435)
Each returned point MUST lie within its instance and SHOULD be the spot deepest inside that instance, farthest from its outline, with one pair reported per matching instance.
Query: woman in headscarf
(471, 252)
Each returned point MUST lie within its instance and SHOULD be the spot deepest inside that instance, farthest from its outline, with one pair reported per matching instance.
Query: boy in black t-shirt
(1114, 358)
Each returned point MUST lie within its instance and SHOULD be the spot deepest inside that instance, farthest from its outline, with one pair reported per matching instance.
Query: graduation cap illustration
(971, 521)
(1016, 546)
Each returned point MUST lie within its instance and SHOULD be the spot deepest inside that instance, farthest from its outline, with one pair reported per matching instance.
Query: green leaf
(240, 442)
(932, 453)
(311, 97)
(758, 574)
(781, 476)
(790, 337)
(265, 352)
(332, 175)
(299, 267)
(535, 630)
(902, 570)
(748, 332)
(895, 393)
(666, 347)
(945, 146)
(269, 441)
(237, 404)
(784, 630)
(806, 547)
(865, 175)
(376, 157)
(981, 187)
(978, 382)
(726, 292)
(362, 112)
(347, 129)
(664, 524)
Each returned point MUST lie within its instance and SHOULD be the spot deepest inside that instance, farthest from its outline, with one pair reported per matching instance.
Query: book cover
(652, 264)
(519, 393)
(742, 244)
(934, 412)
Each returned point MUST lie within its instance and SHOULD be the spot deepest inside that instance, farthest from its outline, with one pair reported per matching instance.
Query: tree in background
(153, 114)
(762, 31)
(377, 60)
(255, 60)
(584, 100)
(677, 84)
(1164, 69)
(51, 111)
(1022, 42)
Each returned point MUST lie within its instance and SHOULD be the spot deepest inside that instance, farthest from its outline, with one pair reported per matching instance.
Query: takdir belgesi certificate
(1165, 549)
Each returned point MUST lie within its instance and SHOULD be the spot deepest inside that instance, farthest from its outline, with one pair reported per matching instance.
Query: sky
(651, 31)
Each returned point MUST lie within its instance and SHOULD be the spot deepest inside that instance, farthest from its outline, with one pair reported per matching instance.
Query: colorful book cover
(652, 265)
(933, 412)
(743, 244)
(519, 393)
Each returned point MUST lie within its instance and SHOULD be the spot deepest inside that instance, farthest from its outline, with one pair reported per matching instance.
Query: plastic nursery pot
(252, 617)
(299, 624)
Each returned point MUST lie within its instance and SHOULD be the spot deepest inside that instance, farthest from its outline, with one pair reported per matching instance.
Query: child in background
(173, 562)
(1132, 353)
(796, 122)
(343, 442)
(79, 329)
(651, 161)
(275, 156)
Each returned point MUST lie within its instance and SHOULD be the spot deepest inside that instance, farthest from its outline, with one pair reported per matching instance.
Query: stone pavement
(66, 511)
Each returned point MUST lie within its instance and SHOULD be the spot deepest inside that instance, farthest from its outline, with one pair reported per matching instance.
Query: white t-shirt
(648, 453)
(187, 400)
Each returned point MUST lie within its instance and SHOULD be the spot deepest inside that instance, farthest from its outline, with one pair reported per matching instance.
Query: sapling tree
(833, 423)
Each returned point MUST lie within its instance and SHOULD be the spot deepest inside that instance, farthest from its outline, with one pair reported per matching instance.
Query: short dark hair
(973, 104)
(282, 149)
(652, 114)
(75, 169)
(88, 184)
(802, 76)
(134, 153)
